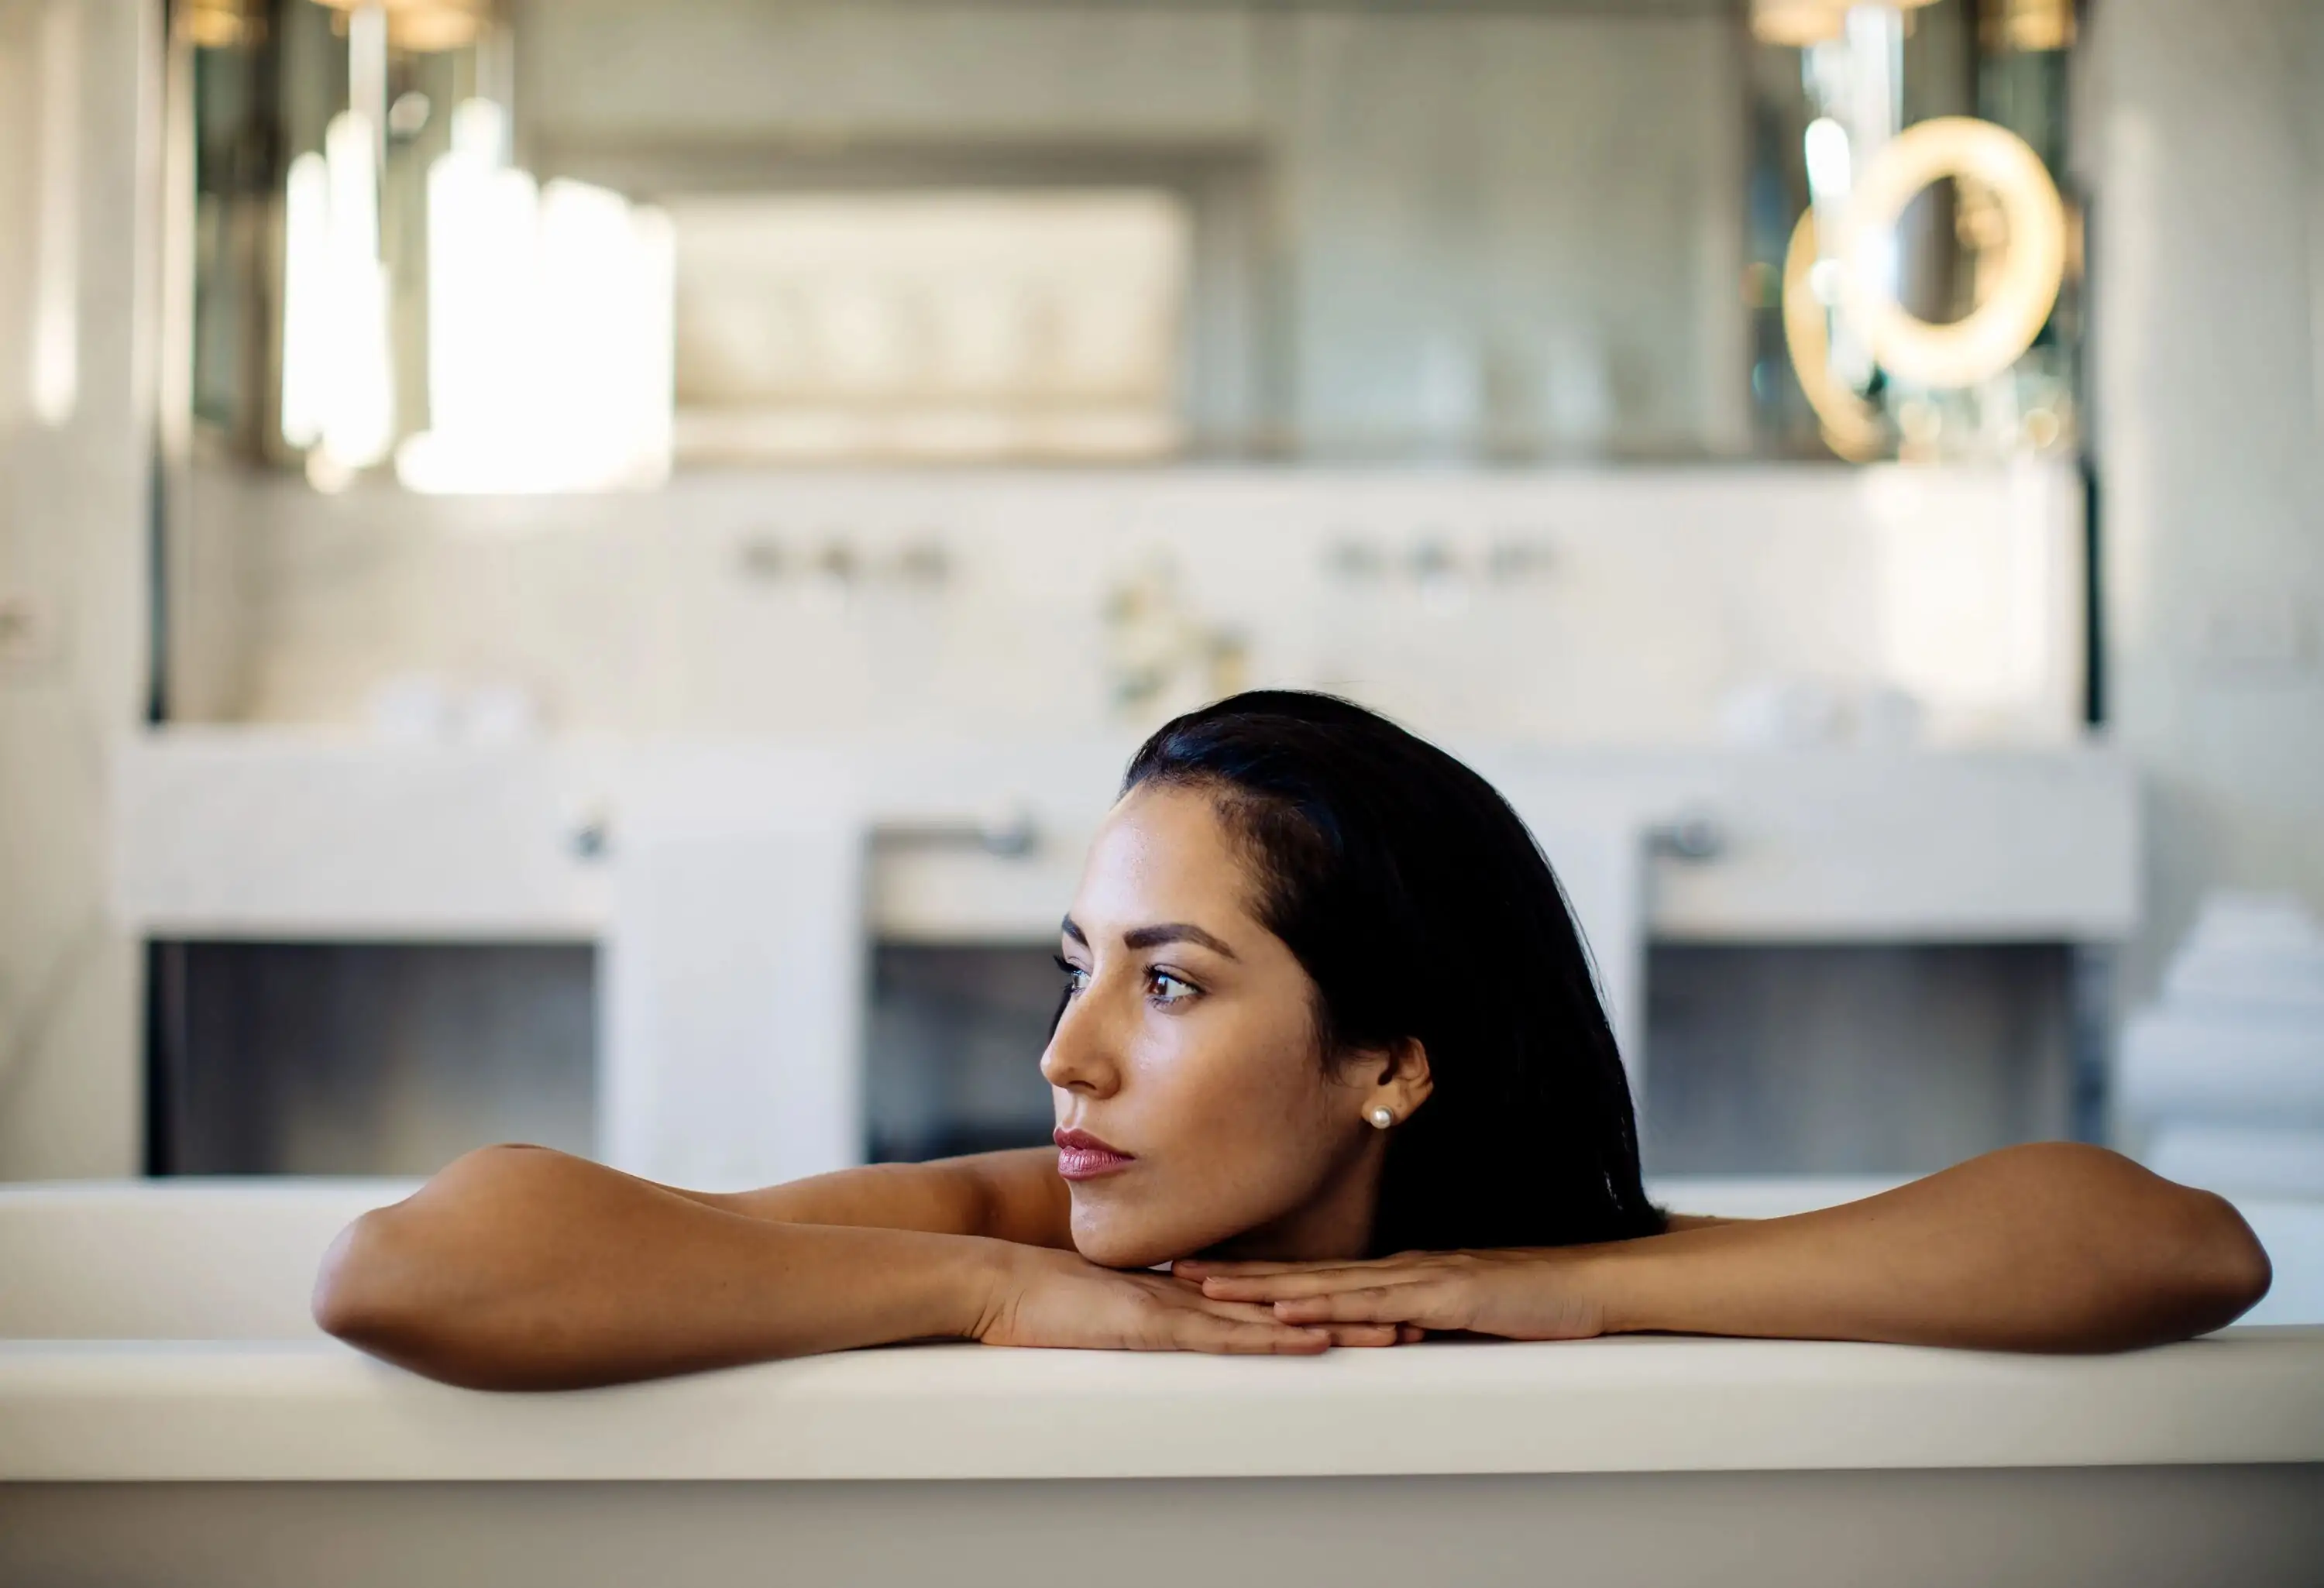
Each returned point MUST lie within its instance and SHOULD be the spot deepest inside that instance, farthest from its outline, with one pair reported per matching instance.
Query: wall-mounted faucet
(1007, 830)
(842, 562)
(1437, 560)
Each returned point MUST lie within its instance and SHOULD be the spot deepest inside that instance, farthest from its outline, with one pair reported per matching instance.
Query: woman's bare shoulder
(1013, 1196)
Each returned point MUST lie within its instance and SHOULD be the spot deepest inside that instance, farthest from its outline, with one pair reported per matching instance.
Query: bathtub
(169, 1416)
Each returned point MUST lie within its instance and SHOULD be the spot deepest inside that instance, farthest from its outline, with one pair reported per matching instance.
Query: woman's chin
(1111, 1252)
(1112, 1240)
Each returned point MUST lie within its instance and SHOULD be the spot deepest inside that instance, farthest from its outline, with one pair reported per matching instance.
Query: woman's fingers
(1292, 1283)
(1202, 1331)
(1366, 1333)
(1238, 1312)
(1198, 1270)
(1363, 1335)
(1185, 1319)
(1252, 1312)
(1430, 1306)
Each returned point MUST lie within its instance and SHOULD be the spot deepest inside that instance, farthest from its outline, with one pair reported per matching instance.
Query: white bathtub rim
(289, 1410)
(295, 1405)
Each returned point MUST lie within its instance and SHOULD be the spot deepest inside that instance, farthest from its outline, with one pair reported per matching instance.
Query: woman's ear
(1412, 1071)
(1398, 1078)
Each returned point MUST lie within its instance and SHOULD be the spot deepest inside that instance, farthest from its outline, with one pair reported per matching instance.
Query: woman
(1330, 1048)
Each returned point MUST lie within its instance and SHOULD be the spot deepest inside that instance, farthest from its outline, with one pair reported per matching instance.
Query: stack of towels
(2226, 1073)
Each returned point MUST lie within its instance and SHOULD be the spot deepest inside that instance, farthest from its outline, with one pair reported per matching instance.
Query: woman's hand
(1521, 1295)
(1041, 1296)
(2048, 1247)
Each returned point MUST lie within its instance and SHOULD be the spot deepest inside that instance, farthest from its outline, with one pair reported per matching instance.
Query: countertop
(281, 835)
(313, 1409)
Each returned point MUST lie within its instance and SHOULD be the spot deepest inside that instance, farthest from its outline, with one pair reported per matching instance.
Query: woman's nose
(1081, 1055)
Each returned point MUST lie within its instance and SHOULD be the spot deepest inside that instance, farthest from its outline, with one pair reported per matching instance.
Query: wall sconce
(426, 26)
(1798, 24)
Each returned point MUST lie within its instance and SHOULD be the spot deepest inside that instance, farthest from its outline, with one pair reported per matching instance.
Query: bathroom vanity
(734, 917)
(723, 830)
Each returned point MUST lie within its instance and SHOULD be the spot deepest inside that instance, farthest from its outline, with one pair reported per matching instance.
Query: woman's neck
(1336, 1223)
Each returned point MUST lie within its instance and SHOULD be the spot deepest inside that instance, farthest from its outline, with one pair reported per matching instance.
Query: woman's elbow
(407, 1284)
(2166, 1261)
(2227, 1268)
(2202, 1270)
(362, 1295)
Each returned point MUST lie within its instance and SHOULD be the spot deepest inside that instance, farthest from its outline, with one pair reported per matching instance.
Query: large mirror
(566, 247)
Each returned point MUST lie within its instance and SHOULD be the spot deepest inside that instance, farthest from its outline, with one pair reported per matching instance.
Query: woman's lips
(1082, 1157)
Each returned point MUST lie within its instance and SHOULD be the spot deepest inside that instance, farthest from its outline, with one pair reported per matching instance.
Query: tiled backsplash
(1632, 607)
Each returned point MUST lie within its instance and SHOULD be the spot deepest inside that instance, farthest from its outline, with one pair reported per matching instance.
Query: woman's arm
(1014, 1196)
(523, 1269)
(2054, 1247)
(2051, 1247)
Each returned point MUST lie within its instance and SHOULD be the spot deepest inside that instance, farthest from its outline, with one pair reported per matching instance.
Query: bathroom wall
(2208, 134)
(75, 204)
(2208, 261)
(1621, 608)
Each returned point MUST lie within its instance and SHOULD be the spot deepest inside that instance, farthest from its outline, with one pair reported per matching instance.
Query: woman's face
(1194, 1110)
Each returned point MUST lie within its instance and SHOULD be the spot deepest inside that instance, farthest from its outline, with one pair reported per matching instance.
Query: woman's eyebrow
(1174, 932)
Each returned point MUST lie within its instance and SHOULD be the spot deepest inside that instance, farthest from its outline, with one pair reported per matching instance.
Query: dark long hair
(1420, 908)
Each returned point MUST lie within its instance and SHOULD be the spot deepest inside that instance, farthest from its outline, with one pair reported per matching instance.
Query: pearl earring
(1381, 1117)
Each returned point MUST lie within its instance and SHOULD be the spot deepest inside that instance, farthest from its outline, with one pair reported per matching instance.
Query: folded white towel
(2255, 953)
(2265, 1069)
(2240, 1159)
(731, 979)
(2238, 1036)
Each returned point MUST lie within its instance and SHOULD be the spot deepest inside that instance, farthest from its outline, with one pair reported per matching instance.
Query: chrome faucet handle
(1692, 836)
(1007, 831)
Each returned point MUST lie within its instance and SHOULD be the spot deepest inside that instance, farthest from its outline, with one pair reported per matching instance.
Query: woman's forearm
(522, 1268)
(2052, 1247)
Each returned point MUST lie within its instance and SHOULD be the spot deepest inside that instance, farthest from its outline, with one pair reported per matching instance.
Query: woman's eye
(1076, 978)
(1164, 988)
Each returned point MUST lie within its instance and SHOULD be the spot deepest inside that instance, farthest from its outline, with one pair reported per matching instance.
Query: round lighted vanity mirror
(1990, 339)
